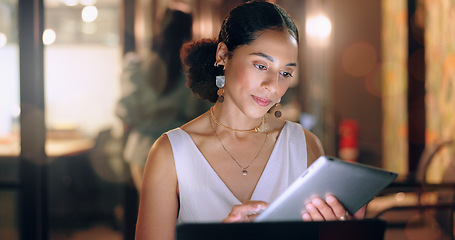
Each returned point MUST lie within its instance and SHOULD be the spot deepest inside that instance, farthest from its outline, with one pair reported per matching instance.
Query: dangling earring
(220, 95)
(277, 109)
(220, 84)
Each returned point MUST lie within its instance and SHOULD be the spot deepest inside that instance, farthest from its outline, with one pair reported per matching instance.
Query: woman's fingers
(329, 210)
(337, 207)
(245, 212)
(306, 217)
(320, 210)
(232, 217)
(314, 213)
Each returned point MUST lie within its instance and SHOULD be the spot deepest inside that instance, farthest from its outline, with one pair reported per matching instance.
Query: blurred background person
(154, 98)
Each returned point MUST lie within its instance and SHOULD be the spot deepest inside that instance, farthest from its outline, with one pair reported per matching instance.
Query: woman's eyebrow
(270, 58)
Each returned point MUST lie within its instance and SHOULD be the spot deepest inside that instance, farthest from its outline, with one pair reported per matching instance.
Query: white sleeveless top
(204, 197)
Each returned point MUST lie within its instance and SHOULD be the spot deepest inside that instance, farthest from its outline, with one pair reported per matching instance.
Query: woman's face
(258, 74)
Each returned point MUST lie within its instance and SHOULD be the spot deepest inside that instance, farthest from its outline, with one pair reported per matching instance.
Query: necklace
(254, 130)
(244, 169)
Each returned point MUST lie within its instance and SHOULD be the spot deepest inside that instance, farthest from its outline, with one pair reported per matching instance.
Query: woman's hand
(246, 212)
(330, 210)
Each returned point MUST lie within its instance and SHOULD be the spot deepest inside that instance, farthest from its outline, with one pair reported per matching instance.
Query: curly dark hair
(242, 26)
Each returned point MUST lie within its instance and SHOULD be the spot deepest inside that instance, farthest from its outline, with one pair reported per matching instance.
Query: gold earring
(219, 81)
(220, 95)
(277, 110)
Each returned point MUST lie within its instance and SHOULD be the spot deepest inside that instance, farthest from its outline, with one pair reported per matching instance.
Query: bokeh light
(359, 59)
(70, 3)
(318, 26)
(88, 2)
(89, 13)
(49, 36)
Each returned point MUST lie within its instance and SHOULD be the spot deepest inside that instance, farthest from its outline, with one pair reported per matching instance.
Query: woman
(229, 163)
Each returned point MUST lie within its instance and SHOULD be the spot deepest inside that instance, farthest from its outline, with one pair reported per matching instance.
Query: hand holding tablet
(354, 185)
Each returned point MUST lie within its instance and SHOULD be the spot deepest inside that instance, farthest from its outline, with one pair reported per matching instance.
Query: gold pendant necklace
(244, 169)
(254, 130)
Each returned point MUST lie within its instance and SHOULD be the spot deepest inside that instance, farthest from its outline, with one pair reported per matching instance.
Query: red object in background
(348, 145)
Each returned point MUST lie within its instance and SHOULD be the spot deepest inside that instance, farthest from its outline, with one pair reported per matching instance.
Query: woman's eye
(260, 67)
(286, 74)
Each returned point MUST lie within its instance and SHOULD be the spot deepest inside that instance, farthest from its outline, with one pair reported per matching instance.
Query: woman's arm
(158, 206)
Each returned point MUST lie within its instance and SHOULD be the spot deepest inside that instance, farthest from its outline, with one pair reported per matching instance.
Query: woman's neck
(233, 119)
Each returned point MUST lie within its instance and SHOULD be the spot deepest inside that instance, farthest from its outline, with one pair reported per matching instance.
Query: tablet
(353, 184)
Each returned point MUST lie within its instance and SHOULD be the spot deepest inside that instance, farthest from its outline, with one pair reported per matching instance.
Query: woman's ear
(221, 53)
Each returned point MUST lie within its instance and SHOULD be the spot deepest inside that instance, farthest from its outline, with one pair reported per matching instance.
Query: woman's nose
(270, 82)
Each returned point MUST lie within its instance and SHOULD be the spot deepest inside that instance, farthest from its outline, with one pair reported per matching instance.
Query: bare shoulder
(158, 206)
(314, 147)
(160, 158)
(161, 145)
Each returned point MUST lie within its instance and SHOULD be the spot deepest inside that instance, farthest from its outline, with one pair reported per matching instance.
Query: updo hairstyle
(242, 26)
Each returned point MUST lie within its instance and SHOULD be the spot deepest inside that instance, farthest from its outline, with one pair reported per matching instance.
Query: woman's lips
(264, 102)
